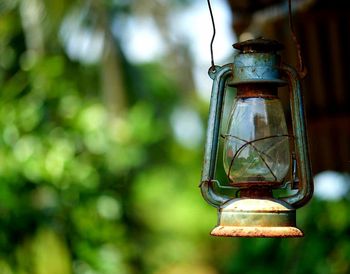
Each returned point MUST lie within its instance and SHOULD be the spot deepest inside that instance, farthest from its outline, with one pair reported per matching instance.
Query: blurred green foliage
(85, 192)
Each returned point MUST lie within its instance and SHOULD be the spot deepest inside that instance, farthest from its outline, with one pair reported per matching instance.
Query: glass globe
(256, 147)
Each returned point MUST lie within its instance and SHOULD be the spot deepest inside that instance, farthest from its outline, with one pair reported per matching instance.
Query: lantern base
(245, 217)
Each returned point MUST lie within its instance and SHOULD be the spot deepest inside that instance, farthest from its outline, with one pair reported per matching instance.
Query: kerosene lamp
(258, 152)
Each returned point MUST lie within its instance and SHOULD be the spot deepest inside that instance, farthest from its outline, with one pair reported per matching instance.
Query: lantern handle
(220, 75)
(305, 185)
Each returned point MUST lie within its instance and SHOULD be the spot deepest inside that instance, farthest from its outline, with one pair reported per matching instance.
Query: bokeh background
(103, 106)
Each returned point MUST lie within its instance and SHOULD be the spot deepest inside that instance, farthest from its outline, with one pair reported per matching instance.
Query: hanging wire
(302, 71)
(213, 37)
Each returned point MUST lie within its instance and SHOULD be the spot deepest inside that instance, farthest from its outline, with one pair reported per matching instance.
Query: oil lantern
(260, 157)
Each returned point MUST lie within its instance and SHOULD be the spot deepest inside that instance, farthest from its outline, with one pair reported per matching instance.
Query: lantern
(258, 152)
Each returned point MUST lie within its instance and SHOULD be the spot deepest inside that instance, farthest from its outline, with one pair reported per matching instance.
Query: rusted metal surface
(305, 184)
(253, 232)
(255, 64)
(257, 91)
(264, 217)
(256, 192)
(209, 194)
(254, 184)
(259, 45)
(220, 75)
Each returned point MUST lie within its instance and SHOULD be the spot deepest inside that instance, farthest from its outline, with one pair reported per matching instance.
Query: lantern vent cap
(260, 44)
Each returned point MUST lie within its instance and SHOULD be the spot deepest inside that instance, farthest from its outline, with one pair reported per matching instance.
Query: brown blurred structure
(323, 29)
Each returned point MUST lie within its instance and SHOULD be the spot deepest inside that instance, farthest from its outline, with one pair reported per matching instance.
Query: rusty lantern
(258, 152)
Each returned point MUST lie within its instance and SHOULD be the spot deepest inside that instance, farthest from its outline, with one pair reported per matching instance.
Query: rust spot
(257, 232)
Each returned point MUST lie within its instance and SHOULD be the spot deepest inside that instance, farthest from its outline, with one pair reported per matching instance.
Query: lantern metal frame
(257, 62)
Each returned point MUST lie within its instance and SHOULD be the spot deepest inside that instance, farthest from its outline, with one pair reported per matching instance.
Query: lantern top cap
(259, 45)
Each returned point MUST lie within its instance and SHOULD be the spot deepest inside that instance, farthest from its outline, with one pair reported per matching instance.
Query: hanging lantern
(258, 152)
